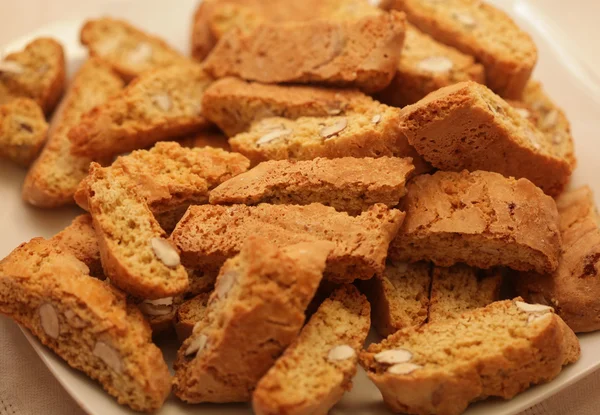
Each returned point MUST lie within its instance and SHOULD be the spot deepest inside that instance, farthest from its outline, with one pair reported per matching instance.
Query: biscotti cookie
(573, 288)
(467, 126)
(79, 238)
(347, 184)
(207, 235)
(53, 179)
(135, 255)
(189, 314)
(461, 288)
(371, 132)
(360, 53)
(37, 72)
(425, 66)
(162, 104)
(85, 322)
(160, 313)
(214, 18)
(170, 177)
(23, 130)
(234, 104)
(201, 281)
(317, 368)
(209, 138)
(399, 296)
(500, 350)
(481, 219)
(255, 312)
(479, 29)
(128, 50)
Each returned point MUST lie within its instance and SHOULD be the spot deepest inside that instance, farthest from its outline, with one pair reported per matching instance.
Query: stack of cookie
(269, 203)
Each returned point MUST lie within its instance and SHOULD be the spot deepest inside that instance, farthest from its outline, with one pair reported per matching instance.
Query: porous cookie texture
(373, 131)
(482, 219)
(461, 288)
(79, 239)
(170, 177)
(84, 321)
(347, 184)
(127, 49)
(573, 288)
(53, 179)
(500, 350)
(317, 368)
(160, 105)
(425, 66)
(135, 254)
(479, 29)
(255, 312)
(207, 235)
(234, 104)
(23, 130)
(201, 281)
(467, 126)
(189, 314)
(399, 296)
(214, 18)
(37, 72)
(358, 53)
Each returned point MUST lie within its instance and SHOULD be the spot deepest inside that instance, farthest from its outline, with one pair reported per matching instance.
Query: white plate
(566, 79)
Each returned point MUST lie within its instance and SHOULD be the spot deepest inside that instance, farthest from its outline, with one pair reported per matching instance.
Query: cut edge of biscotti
(23, 130)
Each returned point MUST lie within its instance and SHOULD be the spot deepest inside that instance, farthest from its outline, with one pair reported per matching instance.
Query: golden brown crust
(38, 73)
(325, 56)
(479, 218)
(85, 321)
(23, 130)
(53, 179)
(347, 184)
(466, 126)
(483, 31)
(207, 235)
(500, 350)
(160, 105)
(265, 290)
(304, 380)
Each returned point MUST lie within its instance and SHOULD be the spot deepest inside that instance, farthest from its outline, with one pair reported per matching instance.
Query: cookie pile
(314, 169)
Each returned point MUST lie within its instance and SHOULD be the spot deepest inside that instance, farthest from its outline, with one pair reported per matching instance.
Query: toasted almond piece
(74, 320)
(165, 252)
(465, 19)
(341, 352)
(109, 356)
(11, 67)
(533, 308)
(334, 129)
(163, 101)
(224, 283)
(270, 136)
(536, 317)
(436, 64)
(393, 356)
(376, 118)
(197, 345)
(160, 307)
(550, 119)
(403, 368)
(140, 54)
(49, 320)
(523, 112)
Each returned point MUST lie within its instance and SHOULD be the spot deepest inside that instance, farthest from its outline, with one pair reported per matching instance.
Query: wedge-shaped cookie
(127, 49)
(23, 130)
(160, 105)
(189, 314)
(255, 312)
(467, 126)
(317, 369)
(573, 288)
(135, 255)
(53, 179)
(347, 184)
(481, 219)
(207, 235)
(85, 321)
(169, 177)
(425, 66)
(373, 131)
(234, 104)
(160, 313)
(214, 18)
(479, 29)
(461, 288)
(399, 296)
(500, 350)
(37, 72)
(360, 53)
